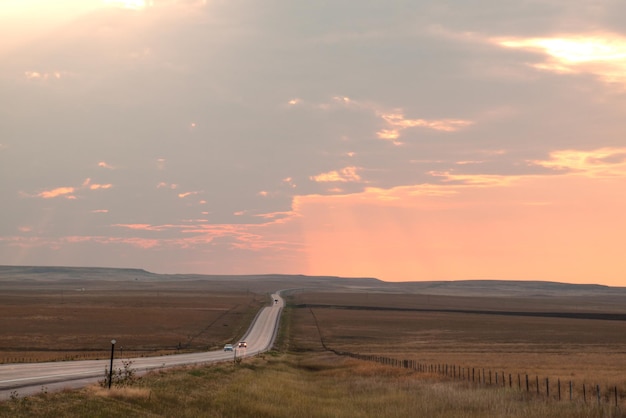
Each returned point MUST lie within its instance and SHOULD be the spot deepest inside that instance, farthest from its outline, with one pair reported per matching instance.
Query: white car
(228, 347)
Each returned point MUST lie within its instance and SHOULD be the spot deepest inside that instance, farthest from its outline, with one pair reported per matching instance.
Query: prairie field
(338, 353)
(526, 336)
(77, 320)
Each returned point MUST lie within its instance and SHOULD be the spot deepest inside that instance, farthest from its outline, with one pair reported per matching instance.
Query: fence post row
(455, 371)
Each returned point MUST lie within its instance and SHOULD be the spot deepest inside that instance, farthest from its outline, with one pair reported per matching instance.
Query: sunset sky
(403, 140)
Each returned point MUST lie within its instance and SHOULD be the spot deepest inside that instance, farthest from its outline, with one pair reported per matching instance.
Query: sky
(403, 140)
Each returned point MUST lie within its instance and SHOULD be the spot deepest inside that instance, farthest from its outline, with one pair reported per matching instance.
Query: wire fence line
(587, 393)
(551, 389)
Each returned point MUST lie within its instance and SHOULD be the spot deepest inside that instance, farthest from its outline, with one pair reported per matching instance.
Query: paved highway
(30, 378)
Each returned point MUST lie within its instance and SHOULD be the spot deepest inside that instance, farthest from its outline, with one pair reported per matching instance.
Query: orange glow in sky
(561, 228)
(247, 137)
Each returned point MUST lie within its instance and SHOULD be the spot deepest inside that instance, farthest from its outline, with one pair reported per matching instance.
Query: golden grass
(301, 385)
(120, 392)
(582, 351)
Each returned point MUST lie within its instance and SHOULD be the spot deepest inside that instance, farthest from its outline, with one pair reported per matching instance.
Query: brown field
(60, 320)
(511, 335)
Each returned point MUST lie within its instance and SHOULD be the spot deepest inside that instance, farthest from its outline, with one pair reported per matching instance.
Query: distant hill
(64, 273)
(270, 282)
(509, 288)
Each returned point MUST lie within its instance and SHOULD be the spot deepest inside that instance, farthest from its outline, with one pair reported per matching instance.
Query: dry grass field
(510, 335)
(312, 384)
(49, 319)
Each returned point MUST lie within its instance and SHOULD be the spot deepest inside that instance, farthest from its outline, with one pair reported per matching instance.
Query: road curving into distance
(22, 379)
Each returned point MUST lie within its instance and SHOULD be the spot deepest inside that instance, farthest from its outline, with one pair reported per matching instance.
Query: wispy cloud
(399, 122)
(346, 174)
(603, 162)
(187, 194)
(396, 119)
(600, 54)
(67, 192)
(104, 164)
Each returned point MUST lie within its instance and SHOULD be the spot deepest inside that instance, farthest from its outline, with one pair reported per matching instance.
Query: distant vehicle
(243, 344)
(275, 300)
(228, 347)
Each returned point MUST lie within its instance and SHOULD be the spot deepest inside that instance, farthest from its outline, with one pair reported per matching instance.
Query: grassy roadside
(314, 384)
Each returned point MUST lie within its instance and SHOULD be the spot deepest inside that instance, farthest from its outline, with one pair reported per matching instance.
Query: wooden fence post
(558, 382)
(570, 390)
(527, 383)
(547, 387)
(537, 382)
(584, 394)
(598, 393)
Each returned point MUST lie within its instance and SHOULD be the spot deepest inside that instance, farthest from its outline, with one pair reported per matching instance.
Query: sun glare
(127, 4)
(603, 55)
(575, 50)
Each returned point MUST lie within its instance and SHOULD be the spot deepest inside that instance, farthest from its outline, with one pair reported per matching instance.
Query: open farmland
(566, 338)
(72, 313)
(49, 319)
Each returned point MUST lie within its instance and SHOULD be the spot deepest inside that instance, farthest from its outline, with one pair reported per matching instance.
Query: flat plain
(578, 339)
(559, 332)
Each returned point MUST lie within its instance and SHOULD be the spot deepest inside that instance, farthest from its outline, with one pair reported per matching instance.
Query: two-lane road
(29, 378)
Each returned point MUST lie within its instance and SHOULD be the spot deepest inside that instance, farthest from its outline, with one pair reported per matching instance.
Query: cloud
(164, 185)
(600, 54)
(399, 123)
(67, 192)
(187, 194)
(346, 174)
(104, 164)
(599, 163)
(396, 119)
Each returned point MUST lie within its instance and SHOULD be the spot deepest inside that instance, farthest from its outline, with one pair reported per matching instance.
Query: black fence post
(558, 384)
(584, 394)
(526, 383)
(598, 393)
(537, 382)
(547, 387)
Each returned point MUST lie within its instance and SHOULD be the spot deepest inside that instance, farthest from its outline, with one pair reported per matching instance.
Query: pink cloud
(347, 174)
(66, 192)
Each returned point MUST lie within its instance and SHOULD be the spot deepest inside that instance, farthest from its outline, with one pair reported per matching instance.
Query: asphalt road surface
(24, 379)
